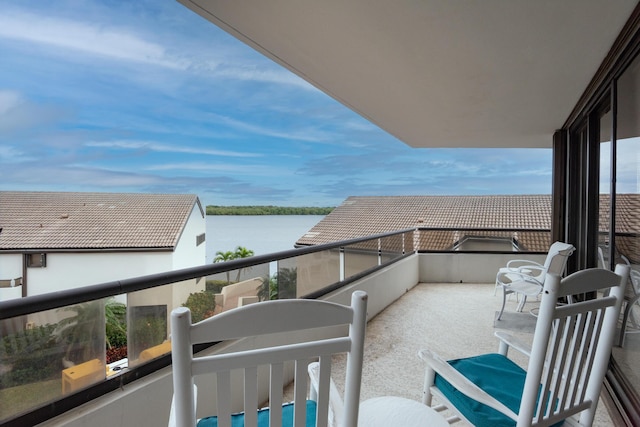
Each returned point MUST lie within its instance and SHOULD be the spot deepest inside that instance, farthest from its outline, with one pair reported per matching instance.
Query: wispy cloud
(147, 96)
(111, 42)
(116, 43)
(217, 168)
(16, 113)
(167, 148)
(308, 134)
(10, 154)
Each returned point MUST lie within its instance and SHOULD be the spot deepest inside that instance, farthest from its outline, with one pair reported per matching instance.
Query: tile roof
(363, 216)
(63, 221)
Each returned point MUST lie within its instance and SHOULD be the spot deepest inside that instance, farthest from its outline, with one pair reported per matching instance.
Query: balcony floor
(453, 320)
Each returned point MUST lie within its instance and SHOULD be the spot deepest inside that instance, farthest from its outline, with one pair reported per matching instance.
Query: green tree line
(266, 210)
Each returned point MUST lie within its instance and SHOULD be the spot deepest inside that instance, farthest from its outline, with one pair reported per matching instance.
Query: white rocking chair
(258, 320)
(567, 361)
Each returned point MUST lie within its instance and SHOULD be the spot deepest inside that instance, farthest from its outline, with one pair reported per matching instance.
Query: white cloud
(9, 154)
(226, 168)
(93, 39)
(153, 146)
(122, 44)
(17, 113)
(8, 101)
(307, 135)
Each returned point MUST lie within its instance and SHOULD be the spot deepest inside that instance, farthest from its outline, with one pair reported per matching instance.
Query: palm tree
(116, 321)
(223, 257)
(281, 285)
(83, 332)
(268, 289)
(242, 252)
(287, 279)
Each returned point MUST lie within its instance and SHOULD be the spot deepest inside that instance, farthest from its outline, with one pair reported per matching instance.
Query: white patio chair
(631, 298)
(257, 321)
(568, 360)
(629, 324)
(525, 278)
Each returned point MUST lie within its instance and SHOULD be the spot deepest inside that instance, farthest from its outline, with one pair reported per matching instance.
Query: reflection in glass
(50, 354)
(605, 190)
(315, 271)
(627, 216)
(360, 257)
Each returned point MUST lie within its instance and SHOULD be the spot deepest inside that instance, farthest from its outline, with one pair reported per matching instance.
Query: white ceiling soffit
(437, 73)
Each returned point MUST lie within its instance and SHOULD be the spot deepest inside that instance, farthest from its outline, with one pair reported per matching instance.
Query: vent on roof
(64, 216)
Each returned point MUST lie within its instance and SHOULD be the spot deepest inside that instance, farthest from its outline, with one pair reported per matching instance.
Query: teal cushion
(495, 374)
(237, 420)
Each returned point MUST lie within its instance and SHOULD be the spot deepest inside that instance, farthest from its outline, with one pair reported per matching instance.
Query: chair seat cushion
(237, 420)
(496, 375)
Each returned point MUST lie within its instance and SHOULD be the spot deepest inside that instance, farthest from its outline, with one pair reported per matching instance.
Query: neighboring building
(52, 241)
(450, 223)
(447, 221)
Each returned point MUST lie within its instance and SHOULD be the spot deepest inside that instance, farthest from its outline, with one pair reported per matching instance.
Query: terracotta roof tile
(364, 216)
(52, 220)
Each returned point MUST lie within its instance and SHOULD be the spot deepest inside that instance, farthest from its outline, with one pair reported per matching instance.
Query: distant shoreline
(267, 210)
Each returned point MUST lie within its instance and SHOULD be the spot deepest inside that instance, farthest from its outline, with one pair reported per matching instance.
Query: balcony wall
(146, 402)
(466, 267)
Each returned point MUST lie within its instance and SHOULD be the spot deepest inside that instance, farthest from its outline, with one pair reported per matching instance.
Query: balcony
(413, 298)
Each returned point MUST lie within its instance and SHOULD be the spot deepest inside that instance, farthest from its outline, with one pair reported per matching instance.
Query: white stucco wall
(72, 270)
(467, 267)
(10, 268)
(187, 253)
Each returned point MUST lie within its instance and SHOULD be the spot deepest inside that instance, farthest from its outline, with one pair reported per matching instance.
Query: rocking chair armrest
(507, 278)
(516, 264)
(461, 383)
(507, 340)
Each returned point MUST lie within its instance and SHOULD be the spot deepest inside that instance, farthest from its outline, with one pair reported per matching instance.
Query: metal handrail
(36, 303)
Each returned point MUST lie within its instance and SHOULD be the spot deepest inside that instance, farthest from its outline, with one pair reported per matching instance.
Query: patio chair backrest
(571, 346)
(292, 319)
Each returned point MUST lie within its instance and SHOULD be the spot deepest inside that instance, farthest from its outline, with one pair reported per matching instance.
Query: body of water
(260, 233)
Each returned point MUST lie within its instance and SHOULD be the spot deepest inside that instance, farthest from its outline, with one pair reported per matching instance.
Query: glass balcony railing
(482, 240)
(55, 347)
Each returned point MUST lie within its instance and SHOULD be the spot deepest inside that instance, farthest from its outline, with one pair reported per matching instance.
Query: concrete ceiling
(437, 73)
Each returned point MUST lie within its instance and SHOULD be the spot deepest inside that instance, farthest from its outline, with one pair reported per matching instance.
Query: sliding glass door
(625, 248)
(603, 212)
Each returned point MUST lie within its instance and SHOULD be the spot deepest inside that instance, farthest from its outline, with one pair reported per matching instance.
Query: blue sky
(147, 96)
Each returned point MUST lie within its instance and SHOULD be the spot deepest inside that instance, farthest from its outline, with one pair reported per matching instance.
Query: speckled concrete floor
(453, 320)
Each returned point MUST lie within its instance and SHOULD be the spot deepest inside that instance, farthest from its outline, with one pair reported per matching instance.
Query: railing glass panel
(119, 331)
(47, 355)
(360, 257)
(305, 274)
(483, 240)
(392, 247)
(147, 319)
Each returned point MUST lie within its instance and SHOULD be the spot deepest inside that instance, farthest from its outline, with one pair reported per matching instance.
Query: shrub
(31, 355)
(202, 305)
(215, 286)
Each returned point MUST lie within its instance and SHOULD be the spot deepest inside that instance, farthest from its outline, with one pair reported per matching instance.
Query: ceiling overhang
(444, 73)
